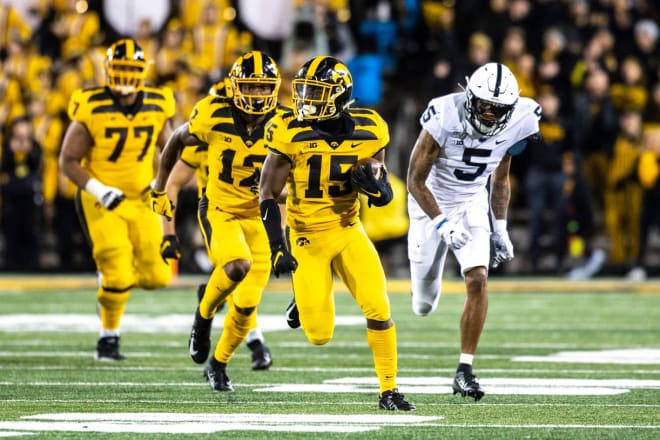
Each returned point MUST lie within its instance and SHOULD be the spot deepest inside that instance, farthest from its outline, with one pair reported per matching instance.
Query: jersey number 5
(468, 154)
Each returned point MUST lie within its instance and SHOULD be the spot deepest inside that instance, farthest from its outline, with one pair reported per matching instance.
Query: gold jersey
(320, 193)
(124, 142)
(197, 157)
(235, 157)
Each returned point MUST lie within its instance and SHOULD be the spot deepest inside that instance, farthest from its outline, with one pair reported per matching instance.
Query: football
(375, 165)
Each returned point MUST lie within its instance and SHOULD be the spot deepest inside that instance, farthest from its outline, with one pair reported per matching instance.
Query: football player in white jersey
(466, 141)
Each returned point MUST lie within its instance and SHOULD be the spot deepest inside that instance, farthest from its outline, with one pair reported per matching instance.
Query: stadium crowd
(584, 201)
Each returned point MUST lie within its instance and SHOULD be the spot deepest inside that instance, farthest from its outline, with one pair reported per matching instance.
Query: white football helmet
(492, 92)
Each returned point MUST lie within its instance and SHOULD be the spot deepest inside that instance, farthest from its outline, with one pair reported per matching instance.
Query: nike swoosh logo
(265, 216)
(499, 142)
(376, 195)
(356, 144)
(192, 352)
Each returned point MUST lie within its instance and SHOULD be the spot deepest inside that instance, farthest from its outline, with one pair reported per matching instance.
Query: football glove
(161, 204)
(281, 260)
(453, 234)
(502, 246)
(109, 196)
(378, 191)
(169, 248)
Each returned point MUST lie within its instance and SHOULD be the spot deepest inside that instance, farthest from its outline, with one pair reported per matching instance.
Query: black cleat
(217, 377)
(292, 316)
(107, 349)
(199, 344)
(393, 401)
(466, 384)
(200, 294)
(261, 358)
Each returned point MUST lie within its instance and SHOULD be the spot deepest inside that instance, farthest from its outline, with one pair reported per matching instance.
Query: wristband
(95, 188)
(500, 225)
(440, 220)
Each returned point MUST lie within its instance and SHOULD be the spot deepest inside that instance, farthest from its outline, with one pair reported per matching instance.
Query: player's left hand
(161, 204)
(502, 247)
(169, 248)
(378, 190)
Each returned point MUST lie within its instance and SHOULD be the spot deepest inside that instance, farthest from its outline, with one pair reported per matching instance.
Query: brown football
(375, 165)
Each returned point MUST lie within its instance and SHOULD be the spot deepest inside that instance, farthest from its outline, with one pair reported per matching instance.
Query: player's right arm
(274, 175)
(181, 174)
(425, 152)
(75, 146)
(181, 137)
(423, 156)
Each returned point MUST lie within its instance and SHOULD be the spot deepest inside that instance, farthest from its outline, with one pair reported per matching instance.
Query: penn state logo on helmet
(322, 89)
(125, 66)
(492, 92)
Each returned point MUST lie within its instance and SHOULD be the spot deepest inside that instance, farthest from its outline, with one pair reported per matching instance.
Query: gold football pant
(126, 248)
(229, 238)
(348, 253)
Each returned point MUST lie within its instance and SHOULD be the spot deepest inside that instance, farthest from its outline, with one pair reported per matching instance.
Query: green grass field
(557, 365)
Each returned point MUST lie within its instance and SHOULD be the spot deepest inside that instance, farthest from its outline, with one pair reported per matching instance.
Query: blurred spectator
(172, 53)
(20, 182)
(594, 130)
(630, 92)
(76, 30)
(555, 65)
(623, 195)
(12, 27)
(549, 160)
(596, 126)
(646, 36)
(648, 169)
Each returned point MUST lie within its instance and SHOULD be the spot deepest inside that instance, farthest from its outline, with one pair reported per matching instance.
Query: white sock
(109, 333)
(255, 334)
(465, 358)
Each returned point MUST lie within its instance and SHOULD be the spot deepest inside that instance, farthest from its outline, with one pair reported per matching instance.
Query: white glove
(109, 196)
(454, 234)
(502, 246)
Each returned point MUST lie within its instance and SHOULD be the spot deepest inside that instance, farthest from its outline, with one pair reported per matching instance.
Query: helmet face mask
(492, 92)
(322, 89)
(255, 83)
(125, 66)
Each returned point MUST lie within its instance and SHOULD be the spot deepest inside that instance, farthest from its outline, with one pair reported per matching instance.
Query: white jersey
(468, 158)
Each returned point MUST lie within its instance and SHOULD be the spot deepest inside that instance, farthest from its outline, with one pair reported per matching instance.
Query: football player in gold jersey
(109, 150)
(194, 163)
(234, 235)
(314, 148)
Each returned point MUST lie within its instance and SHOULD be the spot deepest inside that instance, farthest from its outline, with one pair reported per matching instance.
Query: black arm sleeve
(270, 215)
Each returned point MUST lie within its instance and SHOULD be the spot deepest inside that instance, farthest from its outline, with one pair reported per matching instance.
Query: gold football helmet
(322, 89)
(250, 70)
(125, 66)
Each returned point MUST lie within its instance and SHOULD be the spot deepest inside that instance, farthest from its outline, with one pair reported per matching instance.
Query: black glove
(169, 248)
(281, 260)
(378, 191)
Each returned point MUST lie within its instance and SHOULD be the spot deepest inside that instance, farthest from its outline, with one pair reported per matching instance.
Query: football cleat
(107, 349)
(261, 358)
(292, 316)
(217, 377)
(466, 384)
(393, 401)
(199, 343)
